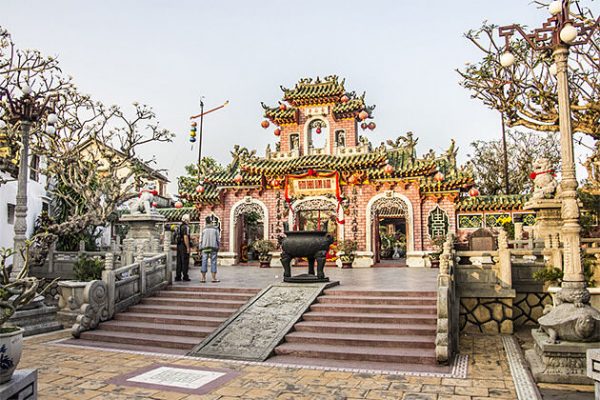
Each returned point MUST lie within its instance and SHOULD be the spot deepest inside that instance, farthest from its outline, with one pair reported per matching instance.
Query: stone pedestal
(37, 320)
(143, 226)
(418, 259)
(593, 369)
(23, 385)
(548, 222)
(564, 362)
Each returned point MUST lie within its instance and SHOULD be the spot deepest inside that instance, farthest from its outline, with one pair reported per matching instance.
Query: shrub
(88, 269)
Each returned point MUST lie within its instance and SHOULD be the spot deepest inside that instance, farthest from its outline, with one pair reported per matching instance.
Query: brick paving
(83, 373)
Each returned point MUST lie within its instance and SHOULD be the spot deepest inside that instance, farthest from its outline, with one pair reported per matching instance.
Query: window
(438, 223)
(10, 217)
(294, 141)
(34, 166)
(340, 138)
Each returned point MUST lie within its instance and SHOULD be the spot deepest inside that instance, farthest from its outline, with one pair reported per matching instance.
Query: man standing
(209, 245)
(183, 249)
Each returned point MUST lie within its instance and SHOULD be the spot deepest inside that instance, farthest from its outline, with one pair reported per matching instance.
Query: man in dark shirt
(183, 249)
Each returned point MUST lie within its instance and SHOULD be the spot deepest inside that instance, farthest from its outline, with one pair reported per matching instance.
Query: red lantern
(344, 99)
(199, 189)
(178, 204)
(311, 172)
(353, 180)
(318, 130)
(438, 177)
(274, 183)
(363, 126)
(238, 179)
(473, 192)
(154, 204)
(265, 124)
(363, 115)
(388, 169)
(371, 125)
(277, 132)
(282, 107)
(194, 123)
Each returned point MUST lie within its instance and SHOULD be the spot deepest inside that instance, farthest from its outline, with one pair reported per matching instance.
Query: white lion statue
(144, 203)
(544, 179)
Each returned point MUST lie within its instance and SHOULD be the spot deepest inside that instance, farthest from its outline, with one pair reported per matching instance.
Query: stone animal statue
(544, 181)
(572, 323)
(144, 203)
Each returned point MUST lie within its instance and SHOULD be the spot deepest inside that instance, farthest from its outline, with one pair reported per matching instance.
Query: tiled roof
(281, 117)
(309, 92)
(352, 107)
(498, 202)
(405, 169)
(428, 184)
(227, 178)
(209, 196)
(175, 214)
(322, 161)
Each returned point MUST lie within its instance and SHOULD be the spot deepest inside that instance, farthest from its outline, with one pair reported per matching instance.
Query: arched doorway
(247, 226)
(318, 213)
(390, 229)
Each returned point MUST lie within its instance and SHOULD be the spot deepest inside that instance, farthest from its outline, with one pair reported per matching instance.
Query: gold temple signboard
(312, 186)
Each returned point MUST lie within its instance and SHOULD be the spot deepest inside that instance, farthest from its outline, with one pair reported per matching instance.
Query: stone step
(426, 319)
(208, 289)
(380, 293)
(243, 297)
(218, 304)
(398, 301)
(156, 328)
(399, 355)
(373, 308)
(345, 339)
(178, 310)
(365, 328)
(169, 319)
(142, 339)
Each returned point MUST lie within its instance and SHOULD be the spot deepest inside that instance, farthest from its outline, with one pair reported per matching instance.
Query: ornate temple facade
(324, 173)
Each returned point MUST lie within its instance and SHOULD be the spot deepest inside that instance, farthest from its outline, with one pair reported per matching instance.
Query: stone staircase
(175, 319)
(364, 328)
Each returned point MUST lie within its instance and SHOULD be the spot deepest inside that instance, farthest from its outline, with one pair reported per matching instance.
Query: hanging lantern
(265, 124)
(344, 99)
(364, 126)
(154, 204)
(282, 107)
(192, 139)
(473, 192)
(388, 169)
(274, 183)
(363, 115)
(318, 130)
(199, 189)
(194, 124)
(353, 180)
(192, 133)
(372, 125)
(438, 177)
(238, 179)
(277, 132)
(178, 204)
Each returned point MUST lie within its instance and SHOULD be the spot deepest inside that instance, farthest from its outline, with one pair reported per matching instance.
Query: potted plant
(14, 293)
(438, 243)
(347, 251)
(71, 292)
(264, 249)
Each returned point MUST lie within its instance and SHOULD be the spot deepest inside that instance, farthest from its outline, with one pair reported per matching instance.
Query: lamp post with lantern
(558, 34)
(24, 112)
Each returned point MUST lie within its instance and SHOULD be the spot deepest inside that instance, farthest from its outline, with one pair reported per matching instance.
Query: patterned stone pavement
(83, 373)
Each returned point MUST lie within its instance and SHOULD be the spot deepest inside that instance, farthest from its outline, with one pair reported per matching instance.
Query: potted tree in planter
(438, 243)
(264, 249)
(347, 251)
(14, 293)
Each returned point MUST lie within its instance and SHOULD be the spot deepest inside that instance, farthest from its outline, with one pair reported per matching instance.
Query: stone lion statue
(144, 203)
(544, 180)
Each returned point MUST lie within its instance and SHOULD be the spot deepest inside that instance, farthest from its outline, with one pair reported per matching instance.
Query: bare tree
(524, 148)
(526, 93)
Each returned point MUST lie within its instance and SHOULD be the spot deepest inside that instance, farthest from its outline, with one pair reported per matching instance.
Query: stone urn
(265, 260)
(310, 244)
(70, 300)
(11, 347)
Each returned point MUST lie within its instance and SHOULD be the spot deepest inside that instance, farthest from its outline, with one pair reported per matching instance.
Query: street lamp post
(25, 112)
(558, 33)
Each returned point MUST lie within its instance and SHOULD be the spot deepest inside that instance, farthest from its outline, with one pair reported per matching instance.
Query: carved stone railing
(124, 286)
(447, 330)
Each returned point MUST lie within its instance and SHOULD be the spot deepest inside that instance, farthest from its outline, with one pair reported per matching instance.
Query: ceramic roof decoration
(513, 202)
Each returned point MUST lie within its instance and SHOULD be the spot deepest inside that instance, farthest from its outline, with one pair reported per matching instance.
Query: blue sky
(169, 53)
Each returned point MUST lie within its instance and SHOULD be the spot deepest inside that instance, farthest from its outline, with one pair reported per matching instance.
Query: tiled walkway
(82, 373)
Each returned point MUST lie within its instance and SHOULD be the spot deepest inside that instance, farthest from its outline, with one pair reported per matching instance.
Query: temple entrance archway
(389, 227)
(247, 224)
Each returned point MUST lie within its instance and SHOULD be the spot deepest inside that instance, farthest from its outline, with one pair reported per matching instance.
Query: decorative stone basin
(310, 244)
